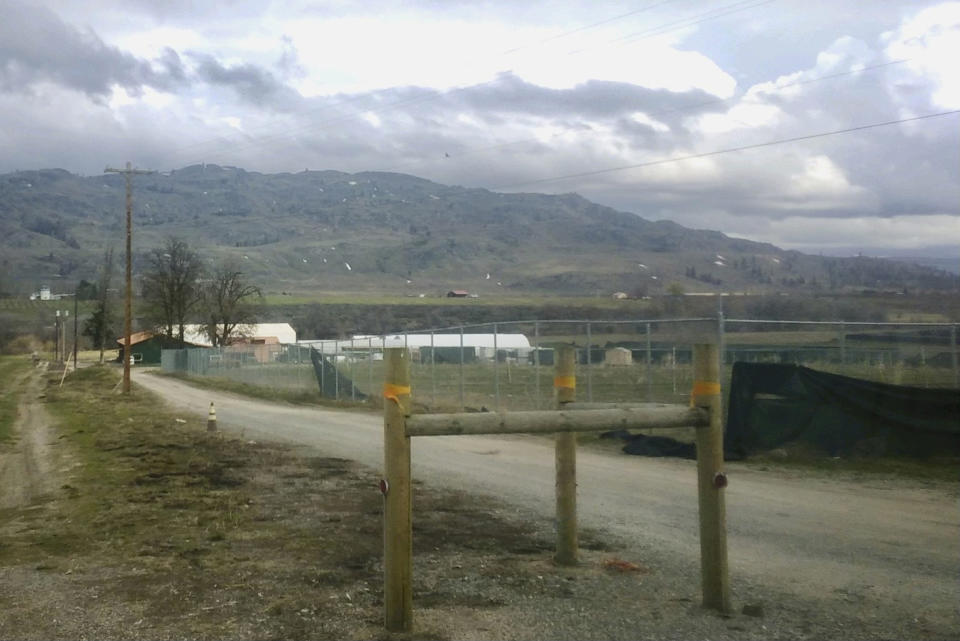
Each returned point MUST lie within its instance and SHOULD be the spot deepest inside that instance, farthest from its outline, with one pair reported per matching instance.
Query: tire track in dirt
(28, 470)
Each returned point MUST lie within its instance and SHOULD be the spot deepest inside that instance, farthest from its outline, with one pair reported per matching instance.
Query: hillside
(323, 231)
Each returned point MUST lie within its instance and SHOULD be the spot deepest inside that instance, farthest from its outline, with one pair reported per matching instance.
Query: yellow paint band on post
(568, 382)
(705, 388)
(392, 392)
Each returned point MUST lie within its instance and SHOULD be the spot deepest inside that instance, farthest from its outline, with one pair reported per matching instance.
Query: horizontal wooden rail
(580, 406)
(551, 422)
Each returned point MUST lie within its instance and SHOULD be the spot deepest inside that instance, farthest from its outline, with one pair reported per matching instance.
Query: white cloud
(643, 119)
(898, 232)
(151, 41)
(821, 184)
(743, 115)
(931, 42)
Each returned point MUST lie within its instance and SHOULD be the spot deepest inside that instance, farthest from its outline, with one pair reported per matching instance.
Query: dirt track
(883, 549)
(26, 471)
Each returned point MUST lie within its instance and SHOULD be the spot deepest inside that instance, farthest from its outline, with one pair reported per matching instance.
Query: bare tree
(171, 287)
(228, 303)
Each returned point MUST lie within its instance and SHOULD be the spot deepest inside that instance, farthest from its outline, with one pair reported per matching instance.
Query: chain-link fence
(501, 366)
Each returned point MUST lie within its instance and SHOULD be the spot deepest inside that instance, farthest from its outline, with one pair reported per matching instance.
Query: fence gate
(570, 417)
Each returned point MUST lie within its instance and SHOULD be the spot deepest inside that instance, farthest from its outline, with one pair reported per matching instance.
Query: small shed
(618, 356)
(145, 347)
(458, 293)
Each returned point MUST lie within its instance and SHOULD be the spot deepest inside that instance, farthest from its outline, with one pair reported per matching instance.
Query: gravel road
(887, 550)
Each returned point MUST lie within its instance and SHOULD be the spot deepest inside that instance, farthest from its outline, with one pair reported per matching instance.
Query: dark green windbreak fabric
(771, 405)
(333, 384)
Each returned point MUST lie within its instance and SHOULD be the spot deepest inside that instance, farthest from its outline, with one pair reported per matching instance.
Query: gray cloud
(289, 61)
(254, 84)
(592, 99)
(36, 45)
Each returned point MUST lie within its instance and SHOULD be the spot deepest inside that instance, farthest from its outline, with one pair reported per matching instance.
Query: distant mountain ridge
(389, 232)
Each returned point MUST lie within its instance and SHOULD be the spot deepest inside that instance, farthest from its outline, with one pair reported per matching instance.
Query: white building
(43, 294)
(281, 332)
(484, 345)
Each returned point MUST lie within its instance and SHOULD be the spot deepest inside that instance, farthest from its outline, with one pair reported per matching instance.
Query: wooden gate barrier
(399, 425)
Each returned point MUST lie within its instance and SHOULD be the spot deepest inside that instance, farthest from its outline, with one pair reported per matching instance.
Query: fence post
(336, 369)
(953, 355)
(462, 402)
(433, 372)
(589, 365)
(649, 369)
(353, 373)
(323, 367)
(536, 361)
(565, 383)
(721, 330)
(397, 492)
(711, 480)
(496, 370)
(843, 344)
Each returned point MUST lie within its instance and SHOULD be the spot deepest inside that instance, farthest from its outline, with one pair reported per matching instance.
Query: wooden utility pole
(397, 493)
(129, 172)
(565, 383)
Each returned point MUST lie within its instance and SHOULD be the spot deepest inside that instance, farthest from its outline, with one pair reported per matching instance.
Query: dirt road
(888, 548)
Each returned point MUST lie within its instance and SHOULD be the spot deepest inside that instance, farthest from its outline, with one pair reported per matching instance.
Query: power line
(690, 21)
(717, 152)
(591, 26)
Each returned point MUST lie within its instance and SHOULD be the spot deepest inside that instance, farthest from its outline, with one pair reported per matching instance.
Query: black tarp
(448, 354)
(657, 446)
(332, 383)
(772, 405)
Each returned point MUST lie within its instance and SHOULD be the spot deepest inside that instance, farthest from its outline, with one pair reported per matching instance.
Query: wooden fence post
(397, 491)
(711, 480)
(566, 448)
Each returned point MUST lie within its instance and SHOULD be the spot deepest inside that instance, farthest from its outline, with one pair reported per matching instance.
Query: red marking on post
(719, 480)
(384, 487)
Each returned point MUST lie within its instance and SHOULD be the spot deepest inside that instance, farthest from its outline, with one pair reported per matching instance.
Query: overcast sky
(512, 95)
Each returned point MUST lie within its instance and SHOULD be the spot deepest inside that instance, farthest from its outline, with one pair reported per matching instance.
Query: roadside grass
(130, 451)
(11, 369)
